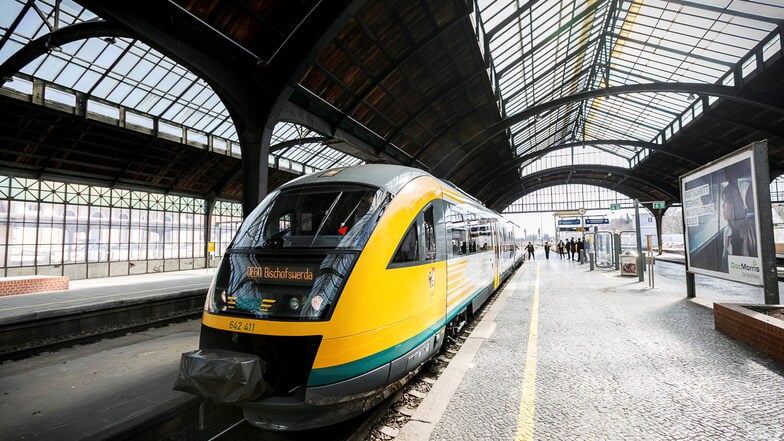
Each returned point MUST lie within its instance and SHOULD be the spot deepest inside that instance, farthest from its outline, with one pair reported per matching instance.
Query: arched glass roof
(569, 197)
(549, 49)
(575, 156)
(128, 73)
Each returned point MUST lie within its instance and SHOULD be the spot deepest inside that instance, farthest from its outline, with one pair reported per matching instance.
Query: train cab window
(314, 217)
(408, 251)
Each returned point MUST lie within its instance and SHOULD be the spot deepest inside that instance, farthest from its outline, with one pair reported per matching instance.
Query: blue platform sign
(569, 222)
(603, 220)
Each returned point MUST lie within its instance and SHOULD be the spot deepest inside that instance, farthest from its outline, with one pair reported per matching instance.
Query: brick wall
(761, 331)
(10, 286)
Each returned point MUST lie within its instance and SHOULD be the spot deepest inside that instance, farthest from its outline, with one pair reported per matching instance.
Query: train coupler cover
(223, 377)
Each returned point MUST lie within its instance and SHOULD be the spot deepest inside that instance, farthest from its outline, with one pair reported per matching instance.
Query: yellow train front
(337, 287)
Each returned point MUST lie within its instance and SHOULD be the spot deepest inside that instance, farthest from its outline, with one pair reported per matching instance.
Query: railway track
(33, 334)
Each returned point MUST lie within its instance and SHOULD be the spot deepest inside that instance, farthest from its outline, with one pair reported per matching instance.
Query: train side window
(456, 231)
(430, 234)
(408, 251)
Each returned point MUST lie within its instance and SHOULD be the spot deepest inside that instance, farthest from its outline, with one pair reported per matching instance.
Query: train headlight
(294, 303)
(317, 303)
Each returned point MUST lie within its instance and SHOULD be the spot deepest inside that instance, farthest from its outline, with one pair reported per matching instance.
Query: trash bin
(629, 264)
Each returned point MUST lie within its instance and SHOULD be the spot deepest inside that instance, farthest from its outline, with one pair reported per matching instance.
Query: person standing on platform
(571, 246)
(530, 249)
(547, 250)
(561, 249)
(580, 250)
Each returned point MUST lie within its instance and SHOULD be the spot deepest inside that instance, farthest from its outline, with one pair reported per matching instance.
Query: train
(338, 287)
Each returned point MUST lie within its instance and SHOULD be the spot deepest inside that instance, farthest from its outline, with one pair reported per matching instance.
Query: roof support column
(255, 173)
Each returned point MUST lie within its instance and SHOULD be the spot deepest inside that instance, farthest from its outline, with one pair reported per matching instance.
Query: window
(430, 234)
(314, 217)
(456, 231)
(409, 247)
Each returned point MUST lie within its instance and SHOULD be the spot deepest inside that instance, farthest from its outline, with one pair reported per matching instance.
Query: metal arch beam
(580, 174)
(504, 203)
(250, 88)
(600, 170)
(68, 34)
(498, 171)
(773, 102)
(298, 141)
(309, 110)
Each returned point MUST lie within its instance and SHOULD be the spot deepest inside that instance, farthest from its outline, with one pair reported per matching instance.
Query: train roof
(389, 177)
(386, 176)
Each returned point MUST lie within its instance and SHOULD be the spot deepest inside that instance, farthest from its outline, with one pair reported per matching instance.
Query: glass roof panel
(315, 155)
(120, 70)
(577, 156)
(548, 49)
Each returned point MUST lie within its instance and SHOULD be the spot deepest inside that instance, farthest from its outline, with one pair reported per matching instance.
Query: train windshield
(313, 217)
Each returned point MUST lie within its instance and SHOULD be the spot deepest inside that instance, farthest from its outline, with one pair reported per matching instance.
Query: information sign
(659, 204)
(590, 221)
(615, 206)
(569, 222)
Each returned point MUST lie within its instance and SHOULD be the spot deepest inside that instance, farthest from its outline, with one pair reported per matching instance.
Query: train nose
(222, 376)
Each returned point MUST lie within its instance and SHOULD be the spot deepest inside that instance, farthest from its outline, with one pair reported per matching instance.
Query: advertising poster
(720, 219)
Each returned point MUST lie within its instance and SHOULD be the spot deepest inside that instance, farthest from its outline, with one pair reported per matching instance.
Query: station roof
(502, 98)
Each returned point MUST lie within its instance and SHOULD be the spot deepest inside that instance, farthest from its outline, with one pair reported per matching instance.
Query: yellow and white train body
(338, 287)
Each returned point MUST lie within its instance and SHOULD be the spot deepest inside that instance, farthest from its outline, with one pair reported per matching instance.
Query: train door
(437, 254)
(496, 253)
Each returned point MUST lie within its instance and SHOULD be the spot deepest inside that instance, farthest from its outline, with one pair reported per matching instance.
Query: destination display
(282, 274)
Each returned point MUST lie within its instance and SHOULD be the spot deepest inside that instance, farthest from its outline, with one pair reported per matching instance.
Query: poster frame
(757, 154)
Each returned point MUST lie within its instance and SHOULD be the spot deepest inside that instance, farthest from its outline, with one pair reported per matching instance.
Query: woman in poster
(739, 235)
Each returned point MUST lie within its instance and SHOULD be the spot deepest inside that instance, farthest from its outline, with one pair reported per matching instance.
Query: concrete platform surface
(562, 354)
(568, 354)
(96, 293)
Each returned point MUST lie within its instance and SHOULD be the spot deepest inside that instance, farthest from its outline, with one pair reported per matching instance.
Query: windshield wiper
(275, 239)
(326, 216)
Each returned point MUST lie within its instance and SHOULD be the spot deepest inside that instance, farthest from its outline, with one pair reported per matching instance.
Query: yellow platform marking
(525, 420)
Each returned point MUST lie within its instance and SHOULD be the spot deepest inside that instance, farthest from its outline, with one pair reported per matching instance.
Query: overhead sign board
(659, 204)
(603, 220)
(615, 206)
(569, 222)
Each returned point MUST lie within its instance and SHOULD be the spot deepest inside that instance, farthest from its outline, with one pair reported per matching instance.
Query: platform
(102, 292)
(562, 354)
(568, 354)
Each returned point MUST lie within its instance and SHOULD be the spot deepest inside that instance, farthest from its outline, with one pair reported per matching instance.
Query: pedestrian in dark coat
(572, 247)
(530, 249)
(547, 250)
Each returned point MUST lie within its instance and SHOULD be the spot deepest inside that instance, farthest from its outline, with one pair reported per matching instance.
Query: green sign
(659, 204)
(615, 206)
